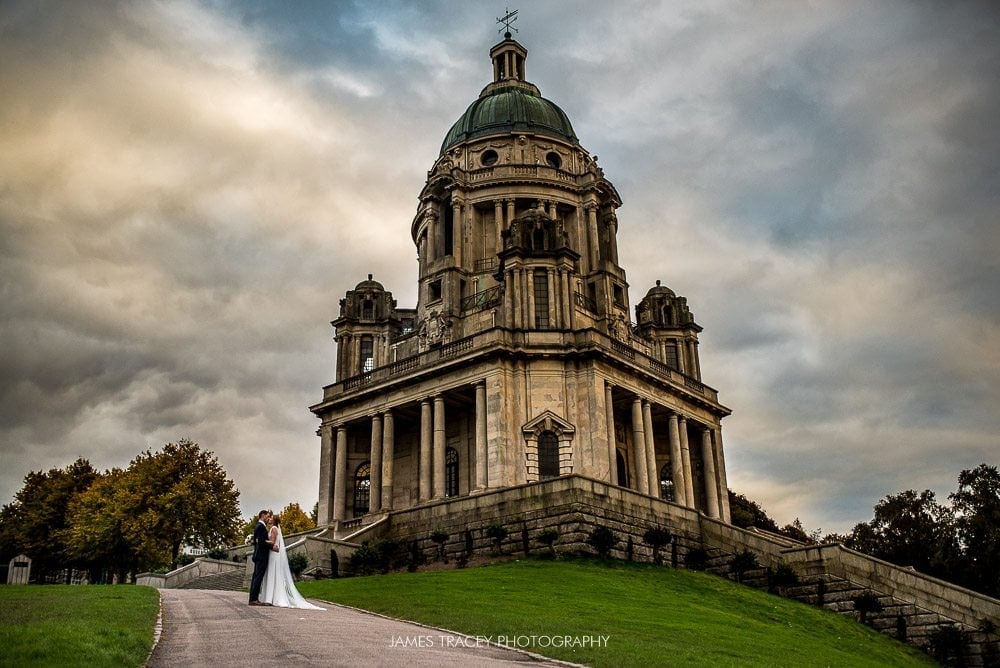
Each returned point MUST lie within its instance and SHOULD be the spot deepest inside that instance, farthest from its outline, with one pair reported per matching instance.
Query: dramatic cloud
(187, 189)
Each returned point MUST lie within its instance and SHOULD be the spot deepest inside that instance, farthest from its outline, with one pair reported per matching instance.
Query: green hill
(651, 616)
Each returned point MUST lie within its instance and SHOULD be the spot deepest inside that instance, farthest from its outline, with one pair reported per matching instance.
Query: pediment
(547, 421)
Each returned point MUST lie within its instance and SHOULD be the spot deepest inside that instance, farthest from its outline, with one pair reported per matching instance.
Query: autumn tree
(36, 523)
(100, 534)
(181, 495)
(295, 520)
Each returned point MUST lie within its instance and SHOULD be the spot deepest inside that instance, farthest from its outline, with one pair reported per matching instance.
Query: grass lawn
(653, 615)
(63, 625)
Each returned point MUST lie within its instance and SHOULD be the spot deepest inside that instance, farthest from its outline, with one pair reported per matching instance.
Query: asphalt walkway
(218, 629)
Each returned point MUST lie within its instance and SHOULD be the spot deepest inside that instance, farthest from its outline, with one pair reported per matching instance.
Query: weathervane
(508, 19)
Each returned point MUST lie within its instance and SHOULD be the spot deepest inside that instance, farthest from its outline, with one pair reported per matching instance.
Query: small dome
(660, 290)
(369, 285)
(510, 109)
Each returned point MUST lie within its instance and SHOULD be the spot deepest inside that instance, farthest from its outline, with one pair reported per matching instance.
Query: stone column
(553, 303)
(456, 230)
(439, 447)
(613, 237)
(647, 428)
(509, 220)
(388, 458)
(340, 475)
(438, 222)
(639, 448)
(676, 462)
(375, 464)
(426, 431)
(686, 460)
(594, 239)
(566, 300)
(609, 417)
(498, 219)
(720, 474)
(529, 296)
(711, 484)
(326, 474)
(482, 453)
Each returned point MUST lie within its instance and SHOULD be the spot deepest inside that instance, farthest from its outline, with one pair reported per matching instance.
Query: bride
(279, 586)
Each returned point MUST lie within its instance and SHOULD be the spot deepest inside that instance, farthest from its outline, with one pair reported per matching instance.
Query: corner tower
(520, 361)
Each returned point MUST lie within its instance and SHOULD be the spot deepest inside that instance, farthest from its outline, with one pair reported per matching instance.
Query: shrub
(416, 557)
(382, 556)
(741, 563)
(496, 533)
(548, 537)
(696, 559)
(947, 644)
(629, 549)
(525, 542)
(440, 537)
(184, 560)
(603, 540)
(656, 538)
(865, 604)
(297, 562)
(784, 576)
(469, 544)
(218, 553)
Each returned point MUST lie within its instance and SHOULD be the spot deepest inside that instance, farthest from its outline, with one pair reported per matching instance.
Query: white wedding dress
(279, 585)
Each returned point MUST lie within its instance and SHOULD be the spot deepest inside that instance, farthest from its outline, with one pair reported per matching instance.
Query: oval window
(488, 158)
(553, 160)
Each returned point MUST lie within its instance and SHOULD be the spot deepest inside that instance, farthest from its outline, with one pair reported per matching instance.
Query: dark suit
(261, 553)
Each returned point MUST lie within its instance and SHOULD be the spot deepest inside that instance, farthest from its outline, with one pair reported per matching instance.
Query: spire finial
(507, 20)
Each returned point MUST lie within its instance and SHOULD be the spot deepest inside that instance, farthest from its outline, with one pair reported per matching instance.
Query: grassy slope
(62, 625)
(655, 616)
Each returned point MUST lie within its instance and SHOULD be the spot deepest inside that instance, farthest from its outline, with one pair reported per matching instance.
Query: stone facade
(520, 361)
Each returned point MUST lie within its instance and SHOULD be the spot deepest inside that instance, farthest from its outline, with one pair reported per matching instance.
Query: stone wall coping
(197, 568)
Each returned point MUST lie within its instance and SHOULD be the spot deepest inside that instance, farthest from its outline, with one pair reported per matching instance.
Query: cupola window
(488, 158)
(552, 159)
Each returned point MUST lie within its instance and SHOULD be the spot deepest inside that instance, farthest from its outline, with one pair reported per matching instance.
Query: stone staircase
(231, 581)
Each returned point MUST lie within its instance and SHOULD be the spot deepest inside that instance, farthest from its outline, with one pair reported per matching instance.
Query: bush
(548, 538)
(656, 538)
(947, 644)
(440, 537)
(184, 560)
(297, 562)
(696, 559)
(784, 576)
(741, 563)
(218, 553)
(865, 604)
(382, 556)
(496, 533)
(603, 540)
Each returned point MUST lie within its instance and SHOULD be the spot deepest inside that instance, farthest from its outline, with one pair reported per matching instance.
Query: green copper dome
(510, 109)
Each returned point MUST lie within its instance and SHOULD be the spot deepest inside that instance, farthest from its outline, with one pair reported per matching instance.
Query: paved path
(218, 628)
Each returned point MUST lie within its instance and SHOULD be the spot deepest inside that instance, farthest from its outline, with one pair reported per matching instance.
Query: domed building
(520, 364)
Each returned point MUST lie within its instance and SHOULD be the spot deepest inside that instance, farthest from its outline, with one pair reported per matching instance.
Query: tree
(36, 523)
(976, 506)
(657, 538)
(603, 540)
(548, 537)
(746, 513)
(139, 518)
(909, 529)
(295, 520)
(867, 603)
(743, 562)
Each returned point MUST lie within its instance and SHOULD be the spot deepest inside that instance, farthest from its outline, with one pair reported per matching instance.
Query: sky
(187, 190)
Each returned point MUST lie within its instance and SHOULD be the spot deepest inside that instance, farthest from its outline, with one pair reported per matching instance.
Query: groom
(261, 552)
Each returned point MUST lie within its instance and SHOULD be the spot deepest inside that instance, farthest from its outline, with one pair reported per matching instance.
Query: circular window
(488, 158)
(553, 160)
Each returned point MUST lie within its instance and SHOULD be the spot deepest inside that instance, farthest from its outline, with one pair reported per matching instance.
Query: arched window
(451, 472)
(548, 455)
(368, 309)
(362, 488)
(666, 483)
(622, 471)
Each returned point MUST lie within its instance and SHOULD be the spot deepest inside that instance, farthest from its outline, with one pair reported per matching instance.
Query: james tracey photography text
(510, 641)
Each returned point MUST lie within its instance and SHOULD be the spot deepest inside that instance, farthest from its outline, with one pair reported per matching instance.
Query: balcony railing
(483, 300)
(584, 301)
(485, 265)
(491, 338)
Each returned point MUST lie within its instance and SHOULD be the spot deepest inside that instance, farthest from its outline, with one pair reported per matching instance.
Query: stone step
(231, 581)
